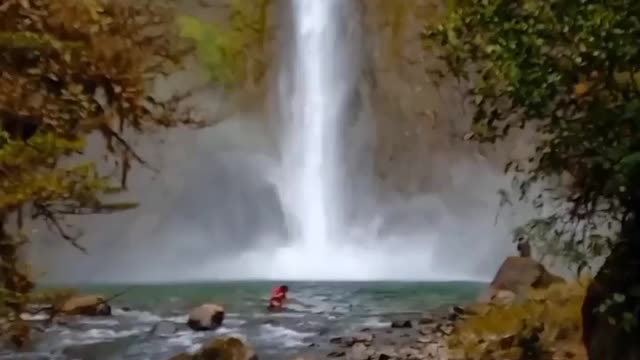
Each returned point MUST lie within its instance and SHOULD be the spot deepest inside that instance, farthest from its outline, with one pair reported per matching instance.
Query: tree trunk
(15, 284)
(604, 335)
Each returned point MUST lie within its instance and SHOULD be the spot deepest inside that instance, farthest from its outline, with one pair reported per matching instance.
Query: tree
(70, 69)
(571, 70)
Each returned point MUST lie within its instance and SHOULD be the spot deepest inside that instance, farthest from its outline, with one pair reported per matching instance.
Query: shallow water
(316, 312)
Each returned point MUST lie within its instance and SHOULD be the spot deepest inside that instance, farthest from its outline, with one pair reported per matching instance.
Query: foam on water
(283, 336)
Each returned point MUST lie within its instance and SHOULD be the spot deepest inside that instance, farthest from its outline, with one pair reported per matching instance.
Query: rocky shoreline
(503, 321)
(420, 338)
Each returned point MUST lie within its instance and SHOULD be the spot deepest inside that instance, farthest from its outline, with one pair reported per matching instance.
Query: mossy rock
(226, 348)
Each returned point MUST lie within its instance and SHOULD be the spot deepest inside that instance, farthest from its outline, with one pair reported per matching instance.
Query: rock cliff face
(407, 131)
(421, 119)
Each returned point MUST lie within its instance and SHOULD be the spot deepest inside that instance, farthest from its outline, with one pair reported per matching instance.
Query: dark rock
(458, 310)
(401, 324)
(125, 308)
(365, 329)
(336, 340)
(337, 354)
(361, 338)
(409, 353)
(426, 319)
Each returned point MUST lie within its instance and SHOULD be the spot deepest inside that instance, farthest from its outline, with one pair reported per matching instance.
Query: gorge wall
(413, 177)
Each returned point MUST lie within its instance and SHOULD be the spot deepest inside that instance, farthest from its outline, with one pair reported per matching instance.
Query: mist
(214, 210)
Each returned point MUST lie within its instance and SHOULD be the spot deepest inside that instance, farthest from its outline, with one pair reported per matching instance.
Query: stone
(226, 348)
(360, 338)
(518, 275)
(429, 329)
(425, 320)
(409, 353)
(206, 317)
(336, 354)
(336, 340)
(401, 324)
(87, 305)
(359, 351)
(446, 329)
(433, 351)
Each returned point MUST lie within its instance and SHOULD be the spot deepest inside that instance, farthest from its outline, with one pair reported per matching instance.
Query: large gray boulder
(516, 276)
(222, 348)
(206, 317)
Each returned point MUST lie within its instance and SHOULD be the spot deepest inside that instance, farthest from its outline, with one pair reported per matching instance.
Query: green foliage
(569, 69)
(232, 51)
(496, 331)
(70, 69)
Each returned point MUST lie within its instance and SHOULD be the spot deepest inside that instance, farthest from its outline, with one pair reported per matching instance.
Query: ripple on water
(283, 336)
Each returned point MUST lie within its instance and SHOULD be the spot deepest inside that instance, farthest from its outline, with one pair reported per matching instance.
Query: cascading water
(313, 93)
(338, 225)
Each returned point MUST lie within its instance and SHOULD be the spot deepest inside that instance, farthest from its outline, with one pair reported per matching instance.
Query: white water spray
(313, 93)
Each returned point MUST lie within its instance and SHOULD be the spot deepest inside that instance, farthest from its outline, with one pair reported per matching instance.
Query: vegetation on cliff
(71, 69)
(233, 51)
(571, 71)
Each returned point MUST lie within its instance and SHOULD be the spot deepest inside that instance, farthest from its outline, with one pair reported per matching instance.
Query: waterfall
(315, 87)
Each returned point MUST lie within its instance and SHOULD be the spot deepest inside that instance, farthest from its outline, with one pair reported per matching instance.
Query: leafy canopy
(571, 70)
(69, 70)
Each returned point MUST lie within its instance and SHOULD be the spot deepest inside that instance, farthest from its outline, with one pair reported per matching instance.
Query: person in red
(278, 297)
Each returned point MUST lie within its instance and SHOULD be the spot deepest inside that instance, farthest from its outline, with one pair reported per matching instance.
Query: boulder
(222, 348)
(517, 275)
(401, 324)
(206, 317)
(87, 305)
(226, 348)
(359, 351)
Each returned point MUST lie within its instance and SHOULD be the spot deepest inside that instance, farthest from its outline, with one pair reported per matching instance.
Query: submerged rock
(206, 317)
(164, 328)
(87, 305)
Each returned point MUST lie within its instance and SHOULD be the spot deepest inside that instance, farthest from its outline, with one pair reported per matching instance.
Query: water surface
(317, 311)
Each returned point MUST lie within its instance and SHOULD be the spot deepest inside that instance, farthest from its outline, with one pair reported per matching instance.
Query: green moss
(232, 51)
